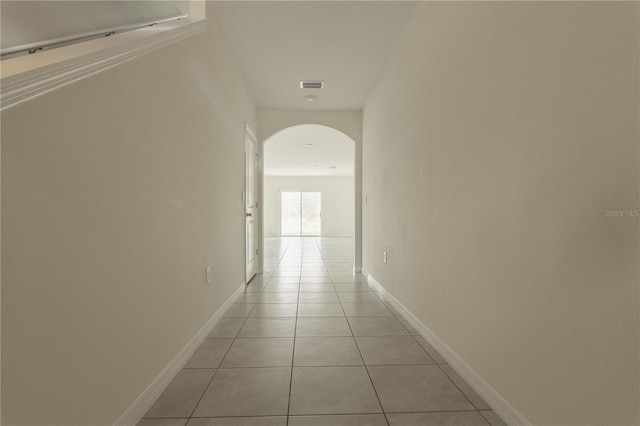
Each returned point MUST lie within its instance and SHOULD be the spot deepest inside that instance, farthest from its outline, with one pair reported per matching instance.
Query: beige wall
(338, 203)
(117, 191)
(493, 143)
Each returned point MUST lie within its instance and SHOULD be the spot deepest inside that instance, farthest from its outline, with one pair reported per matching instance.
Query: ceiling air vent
(311, 84)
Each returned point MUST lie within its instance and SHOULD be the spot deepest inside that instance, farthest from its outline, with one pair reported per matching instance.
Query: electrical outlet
(384, 258)
(208, 274)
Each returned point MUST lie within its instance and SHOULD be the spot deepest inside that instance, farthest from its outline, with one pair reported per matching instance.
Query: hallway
(491, 187)
(309, 343)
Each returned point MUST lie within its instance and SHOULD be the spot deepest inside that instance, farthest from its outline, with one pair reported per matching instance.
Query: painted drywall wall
(117, 191)
(497, 144)
(348, 122)
(338, 203)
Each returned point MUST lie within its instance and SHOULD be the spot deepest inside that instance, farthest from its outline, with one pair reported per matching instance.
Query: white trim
(247, 129)
(26, 77)
(357, 269)
(134, 413)
(250, 139)
(500, 405)
(23, 49)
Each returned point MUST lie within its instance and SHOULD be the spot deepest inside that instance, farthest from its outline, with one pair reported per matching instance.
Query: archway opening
(309, 193)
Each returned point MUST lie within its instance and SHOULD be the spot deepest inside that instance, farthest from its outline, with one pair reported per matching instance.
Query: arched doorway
(309, 188)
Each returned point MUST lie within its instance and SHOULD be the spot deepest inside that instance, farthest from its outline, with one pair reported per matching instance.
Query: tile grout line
(361, 357)
(195, 407)
(227, 351)
(434, 361)
(295, 327)
(312, 415)
(399, 316)
(457, 387)
(300, 252)
(415, 340)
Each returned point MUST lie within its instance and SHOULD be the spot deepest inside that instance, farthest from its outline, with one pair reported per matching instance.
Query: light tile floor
(310, 343)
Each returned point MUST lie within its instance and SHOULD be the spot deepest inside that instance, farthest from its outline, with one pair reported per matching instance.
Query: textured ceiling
(286, 153)
(344, 43)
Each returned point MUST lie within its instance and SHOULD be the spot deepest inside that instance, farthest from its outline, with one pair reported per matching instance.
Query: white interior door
(251, 205)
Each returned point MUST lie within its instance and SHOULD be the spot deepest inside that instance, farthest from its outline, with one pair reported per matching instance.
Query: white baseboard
(500, 405)
(134, 413)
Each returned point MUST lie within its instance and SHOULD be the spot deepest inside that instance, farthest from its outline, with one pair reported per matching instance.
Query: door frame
(250, 138)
